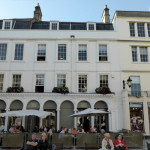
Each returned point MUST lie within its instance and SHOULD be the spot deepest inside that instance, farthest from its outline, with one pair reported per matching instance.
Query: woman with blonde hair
(107, 143)
(43, 143)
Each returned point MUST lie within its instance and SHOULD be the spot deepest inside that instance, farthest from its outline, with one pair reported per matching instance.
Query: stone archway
(16, 105)
(66, 109)
(33, 104)
(101, 121)
(50, 106)
(83, 105)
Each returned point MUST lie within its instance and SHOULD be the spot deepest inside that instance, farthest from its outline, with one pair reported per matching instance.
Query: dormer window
(54, 25)
(91, 26)
(7, 24)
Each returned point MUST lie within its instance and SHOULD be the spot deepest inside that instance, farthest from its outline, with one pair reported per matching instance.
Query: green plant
(15, 89)
(102, 90)
(62, 90)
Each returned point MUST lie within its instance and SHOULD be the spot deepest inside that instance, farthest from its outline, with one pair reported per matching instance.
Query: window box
(15, 89)
(103, 90)
(62, 90)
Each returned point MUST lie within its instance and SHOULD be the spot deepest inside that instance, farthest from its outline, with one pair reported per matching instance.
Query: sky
(69, 10)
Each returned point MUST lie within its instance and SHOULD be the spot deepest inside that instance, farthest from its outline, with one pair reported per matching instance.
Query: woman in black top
(43, 144)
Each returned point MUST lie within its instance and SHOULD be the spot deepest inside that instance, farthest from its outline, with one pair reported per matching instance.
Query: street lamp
(129, 82)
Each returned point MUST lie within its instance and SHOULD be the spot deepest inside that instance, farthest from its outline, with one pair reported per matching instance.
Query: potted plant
(62, 90)
(15, 89)
(103, 90)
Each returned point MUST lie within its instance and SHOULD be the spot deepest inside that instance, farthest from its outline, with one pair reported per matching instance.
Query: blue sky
(68, 10)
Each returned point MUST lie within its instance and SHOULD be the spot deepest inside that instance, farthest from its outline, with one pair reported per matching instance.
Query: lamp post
(128, 82)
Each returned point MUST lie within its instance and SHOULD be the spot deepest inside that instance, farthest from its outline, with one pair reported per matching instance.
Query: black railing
(139, 93)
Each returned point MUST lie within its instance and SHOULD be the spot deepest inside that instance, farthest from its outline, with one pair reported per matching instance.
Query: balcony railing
(139, 93)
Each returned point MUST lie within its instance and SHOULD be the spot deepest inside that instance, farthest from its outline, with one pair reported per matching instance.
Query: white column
(58, 119)
(6, 122)
(75, 119)
(92, 118)
(146, 118)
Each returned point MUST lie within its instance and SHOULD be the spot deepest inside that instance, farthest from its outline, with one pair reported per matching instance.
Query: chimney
(106, 16)
(38, 13)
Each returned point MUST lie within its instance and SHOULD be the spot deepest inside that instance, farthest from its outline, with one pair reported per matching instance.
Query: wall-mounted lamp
(128, 82)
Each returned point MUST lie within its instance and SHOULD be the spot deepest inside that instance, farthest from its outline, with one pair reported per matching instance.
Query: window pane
(134, 54)
(82, 53)
(41, 54)
(103, 80)
(3, 51)
(16, 80)
(54, 26)
(141, 30)
(7, 25)
(91, 26)
(62, 52)
(143, 54)
(40, 79)
(148, 28)
(1, 81)
(82, 81)
(19, 52)
(103, 53)
(61, 80)
(135, 87)
(132, 29)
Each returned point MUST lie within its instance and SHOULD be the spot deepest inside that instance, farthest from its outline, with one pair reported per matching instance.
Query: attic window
(7, 25)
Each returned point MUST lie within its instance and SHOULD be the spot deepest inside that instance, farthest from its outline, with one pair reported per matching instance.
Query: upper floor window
(16, 80)
(41, 54)
(1, 82)
(143, 54)
(103, 53)
(82, 83)
(7, 25)
(134, 54)
(103, 80)
(19, 52)
(132, 29)
(148, 28)
(39, 87)
(54, 26)
(82, 53)
(91, 26)
(3, 51)
(61, 80)
(62, 52)
(136, 87)
(141, 29)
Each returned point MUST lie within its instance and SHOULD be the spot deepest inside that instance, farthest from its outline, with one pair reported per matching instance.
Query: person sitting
(81, 130)
(41, 129)
(119, 143)
(69, 131)
(107, 143)
(102, 131)
(12, 129)
(74, 131)
(33, 143)
(43, 143)
(63, 130)
(36, 129)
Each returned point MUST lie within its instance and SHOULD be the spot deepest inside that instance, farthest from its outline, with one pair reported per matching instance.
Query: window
(3, 51)
(143, 54)
(82, 53)
(7, 25)
(1, 82)
(39, 87)
(103, 80)
(103, 53)
(91, 26)
(61, 80)
(54, 26)
(19, 52)
(132, 29)
(62, 52)
(148, 28)
(16, 80)
(82, 81)
(135, 87)
(134, 54)
(141, 30)
(41, 54)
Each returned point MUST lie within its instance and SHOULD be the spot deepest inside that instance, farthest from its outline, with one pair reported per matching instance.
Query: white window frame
(80, 74)
(2, 82)
(101, 44)
(64, 43)
(3, 26)
(37, 52)
(132, 53)
(134, 29)
(6, 51)
(102, 74)
(15, 51)
(20, 79)
(140, 30)
(51, 22)
(92, 23)
(147, 53)
(62, 74)
(86, 53)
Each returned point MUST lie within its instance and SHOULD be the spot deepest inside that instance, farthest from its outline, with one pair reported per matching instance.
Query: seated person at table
(12, 129)
(43, 144)
(119, 143)
(33, 143)
(107, 143)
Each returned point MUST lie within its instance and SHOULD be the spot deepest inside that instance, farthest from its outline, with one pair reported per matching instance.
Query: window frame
(3, 26)
(145, 48)
(140, 31)
(102, 44)
(132, 30)
(2, 83)
(51, 22)
(136, 53)
(64, 85)
(91, 23)
(15, 74)
(39, 44)
(82, 52)
(6, 51)
(39, 85)
(148, 29)
(22, 52)
(104, 74)
(61, 60)
(86, 83)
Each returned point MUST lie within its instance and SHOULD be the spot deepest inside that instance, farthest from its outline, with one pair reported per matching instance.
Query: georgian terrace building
(133, 34)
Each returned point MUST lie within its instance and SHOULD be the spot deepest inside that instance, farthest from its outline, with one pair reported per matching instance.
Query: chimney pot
(105, 6)
(38, 4)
